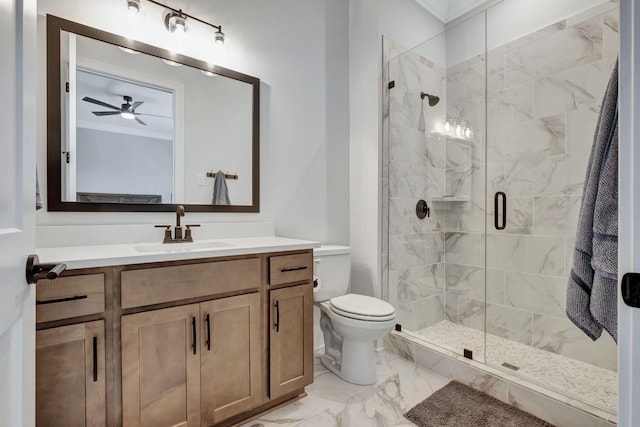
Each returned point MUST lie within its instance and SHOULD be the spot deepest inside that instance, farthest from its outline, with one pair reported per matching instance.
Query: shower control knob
(422, 209)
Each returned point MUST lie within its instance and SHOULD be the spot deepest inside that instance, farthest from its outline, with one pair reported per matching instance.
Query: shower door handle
(496, 217)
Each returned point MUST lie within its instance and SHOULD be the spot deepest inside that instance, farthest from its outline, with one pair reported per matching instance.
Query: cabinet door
(231, 353)
(70, 376)
(291, 339)
(161, 368)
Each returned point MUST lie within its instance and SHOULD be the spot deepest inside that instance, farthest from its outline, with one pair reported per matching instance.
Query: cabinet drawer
(166, 284)
(69, 296)
(291, 268)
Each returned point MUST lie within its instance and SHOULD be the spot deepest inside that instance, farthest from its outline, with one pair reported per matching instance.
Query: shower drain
(510, 366)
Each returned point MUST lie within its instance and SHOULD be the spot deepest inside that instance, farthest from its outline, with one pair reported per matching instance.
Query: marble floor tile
(334, 402)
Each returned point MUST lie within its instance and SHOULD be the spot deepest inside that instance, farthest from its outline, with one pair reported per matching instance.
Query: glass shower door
(436, 188)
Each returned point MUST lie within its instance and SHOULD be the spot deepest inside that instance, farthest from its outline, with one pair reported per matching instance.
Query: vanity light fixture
(133, 6)
(175, 21)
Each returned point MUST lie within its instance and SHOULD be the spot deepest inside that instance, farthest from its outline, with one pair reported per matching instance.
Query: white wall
(117, 163)
(298, 49)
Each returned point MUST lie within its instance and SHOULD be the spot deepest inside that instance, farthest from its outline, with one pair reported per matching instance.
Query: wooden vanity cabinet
(71, 353)
(290, 339)
(191, 365)
(161, 367)
(187, 343)
(231, 371)
(70, 376)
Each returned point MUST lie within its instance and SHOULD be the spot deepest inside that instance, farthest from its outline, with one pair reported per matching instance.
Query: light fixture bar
(217, 27)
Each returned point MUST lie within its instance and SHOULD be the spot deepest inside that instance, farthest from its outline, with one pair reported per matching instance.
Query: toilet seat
(362, 307)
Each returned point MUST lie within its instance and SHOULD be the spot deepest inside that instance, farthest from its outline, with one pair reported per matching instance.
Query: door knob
(36, 271)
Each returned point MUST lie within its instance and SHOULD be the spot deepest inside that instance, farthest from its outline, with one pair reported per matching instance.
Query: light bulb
(219, 37)
(127, 50)
(447, 127)
(170, 62)
(467, 132)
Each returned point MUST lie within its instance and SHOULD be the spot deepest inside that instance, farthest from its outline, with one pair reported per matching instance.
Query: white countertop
(137, 253)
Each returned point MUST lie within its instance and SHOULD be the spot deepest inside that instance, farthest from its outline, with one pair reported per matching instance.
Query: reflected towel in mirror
(220, 191)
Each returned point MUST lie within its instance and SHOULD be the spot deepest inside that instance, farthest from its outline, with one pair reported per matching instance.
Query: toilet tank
(332, 265)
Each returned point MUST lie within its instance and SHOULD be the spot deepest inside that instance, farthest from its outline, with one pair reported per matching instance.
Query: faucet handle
(187, 232)
(167, 232)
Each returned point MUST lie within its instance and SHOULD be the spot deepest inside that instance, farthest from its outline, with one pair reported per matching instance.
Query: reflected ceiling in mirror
(132, 127)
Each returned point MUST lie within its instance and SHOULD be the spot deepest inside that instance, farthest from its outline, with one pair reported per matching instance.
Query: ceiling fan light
(133, 6)
(127, 115)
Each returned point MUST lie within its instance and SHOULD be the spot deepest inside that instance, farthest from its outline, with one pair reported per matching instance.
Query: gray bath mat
(457, 405)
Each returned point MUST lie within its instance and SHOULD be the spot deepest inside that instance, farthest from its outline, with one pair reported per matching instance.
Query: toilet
(350, 323)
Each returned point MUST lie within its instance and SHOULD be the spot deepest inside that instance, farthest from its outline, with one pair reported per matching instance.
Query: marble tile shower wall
(543, 95)
(416, 170)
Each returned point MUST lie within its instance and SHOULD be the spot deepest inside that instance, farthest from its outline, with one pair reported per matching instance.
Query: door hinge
(66, 87)
(392, 84)
(67, 157)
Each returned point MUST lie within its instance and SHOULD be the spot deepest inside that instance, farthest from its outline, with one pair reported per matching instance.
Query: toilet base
(358, 364)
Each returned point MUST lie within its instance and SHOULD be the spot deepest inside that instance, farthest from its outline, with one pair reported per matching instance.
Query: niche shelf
(440, 199)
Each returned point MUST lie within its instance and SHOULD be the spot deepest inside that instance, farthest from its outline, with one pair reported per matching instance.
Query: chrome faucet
(177, 236)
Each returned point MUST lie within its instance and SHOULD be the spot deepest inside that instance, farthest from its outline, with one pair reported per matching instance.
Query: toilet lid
(362, 307)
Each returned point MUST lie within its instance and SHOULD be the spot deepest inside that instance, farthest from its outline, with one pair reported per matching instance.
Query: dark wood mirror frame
(54, 122)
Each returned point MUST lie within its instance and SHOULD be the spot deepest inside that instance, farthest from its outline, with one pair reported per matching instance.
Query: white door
(17, 210)
(629, 200)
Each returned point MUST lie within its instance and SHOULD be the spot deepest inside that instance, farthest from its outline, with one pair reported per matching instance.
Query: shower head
(433, 99)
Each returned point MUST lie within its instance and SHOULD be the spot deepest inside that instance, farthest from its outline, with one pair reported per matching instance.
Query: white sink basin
(182, 247)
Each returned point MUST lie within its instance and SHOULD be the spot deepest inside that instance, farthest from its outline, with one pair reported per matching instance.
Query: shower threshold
(577, 379)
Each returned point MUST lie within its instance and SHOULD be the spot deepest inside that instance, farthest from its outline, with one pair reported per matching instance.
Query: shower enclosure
(482, 190)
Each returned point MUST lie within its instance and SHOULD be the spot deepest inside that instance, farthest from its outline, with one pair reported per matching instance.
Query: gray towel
(220, 191)
(592, 287)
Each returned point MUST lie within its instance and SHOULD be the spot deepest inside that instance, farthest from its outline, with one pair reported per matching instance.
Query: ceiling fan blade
(140, 121)
(153, 115)
(136, 104)
(104, 104)
(106, 113)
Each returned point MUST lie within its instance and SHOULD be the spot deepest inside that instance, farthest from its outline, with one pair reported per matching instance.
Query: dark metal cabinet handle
(95, 359)
(285, 270)
(36, 271)
(193, 326)
(277, 322)
(57, 300)
(208, 342)
(496, 217)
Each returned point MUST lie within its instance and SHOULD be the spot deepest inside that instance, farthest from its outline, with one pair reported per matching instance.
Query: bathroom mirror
(132, 127)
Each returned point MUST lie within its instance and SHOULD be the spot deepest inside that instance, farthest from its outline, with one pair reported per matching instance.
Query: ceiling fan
(126, 110)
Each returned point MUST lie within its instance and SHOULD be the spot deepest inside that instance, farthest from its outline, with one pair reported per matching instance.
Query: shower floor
(579, 379)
